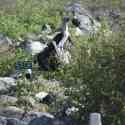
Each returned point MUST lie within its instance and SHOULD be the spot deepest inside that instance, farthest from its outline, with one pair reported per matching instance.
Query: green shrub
(94, 79)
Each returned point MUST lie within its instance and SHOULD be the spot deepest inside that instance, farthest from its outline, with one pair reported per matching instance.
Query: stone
(87, 24)
(33, 47)
(11, 112)
(73, 7)
(41, 121)
(6, 83)
(3, 121)
(8, 99)
(95, 119)
(111, 15)
(13, 121)
(15, 116)
(62, 121)
(49, 121)
(82, 19)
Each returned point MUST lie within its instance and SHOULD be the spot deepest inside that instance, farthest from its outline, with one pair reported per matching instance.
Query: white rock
(8, 99)
(88, 25)
(6, 83)
(34, 47)
(95, 119)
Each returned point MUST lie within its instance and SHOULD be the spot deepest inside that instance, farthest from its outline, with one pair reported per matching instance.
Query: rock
(16, 116)
(34, 115)
(82, 19)
(49, 121)
(6, 83)
(111, 15)
(41, 114)
(13, 121)
(63, 121)
(17, 74)
(73, 7)
(8, 99)
(3, 121)
(5, 40)
(33, 47)
(11, 112)
(86, 25)
(44, 97)
(41, 121)
(95, 119)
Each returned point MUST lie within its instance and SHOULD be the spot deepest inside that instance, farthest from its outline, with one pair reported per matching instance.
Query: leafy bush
(94, 80)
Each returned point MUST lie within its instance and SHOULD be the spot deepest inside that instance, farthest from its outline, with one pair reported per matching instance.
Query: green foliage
(94, 79)
(29, 16)
(8, 63)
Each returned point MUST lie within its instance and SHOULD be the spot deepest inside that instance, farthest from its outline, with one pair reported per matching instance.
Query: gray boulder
(8, 99)
(48, 121)
(11, 121)
(111, 15)
(6, 83)
(3, 121)
(82, 19)
(11, 112)
(41, 121)
(16, 116)
(32, 47)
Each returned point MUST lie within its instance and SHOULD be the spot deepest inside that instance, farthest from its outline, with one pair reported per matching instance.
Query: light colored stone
(95, 119)
(6, 83)
(8, 99)
(34, 47)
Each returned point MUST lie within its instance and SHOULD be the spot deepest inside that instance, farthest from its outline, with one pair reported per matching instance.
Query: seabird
(63, 34)
(44, 58)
